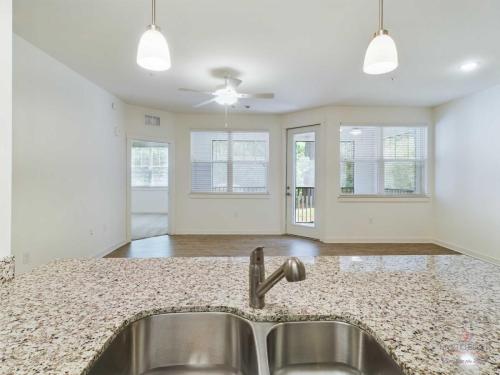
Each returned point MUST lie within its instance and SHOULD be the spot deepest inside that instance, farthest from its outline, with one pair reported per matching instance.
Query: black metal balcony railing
(304, 205)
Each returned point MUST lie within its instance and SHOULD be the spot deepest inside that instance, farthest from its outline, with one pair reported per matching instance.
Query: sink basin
(184, 343)
(224, 344)
(321, 348)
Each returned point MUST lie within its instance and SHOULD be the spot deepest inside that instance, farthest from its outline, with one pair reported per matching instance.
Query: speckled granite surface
(434, 314)
(6, 269)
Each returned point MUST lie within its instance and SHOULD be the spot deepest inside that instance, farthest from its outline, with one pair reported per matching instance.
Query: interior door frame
(290, 227)
(171, 184)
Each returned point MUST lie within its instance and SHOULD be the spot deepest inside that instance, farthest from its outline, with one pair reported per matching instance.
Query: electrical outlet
(370, 220)
(91, 232)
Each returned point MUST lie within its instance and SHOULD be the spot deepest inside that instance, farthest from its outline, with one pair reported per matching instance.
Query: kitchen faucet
(293, 270)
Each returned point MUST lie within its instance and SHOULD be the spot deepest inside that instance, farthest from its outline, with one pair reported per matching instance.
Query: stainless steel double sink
(225, 344)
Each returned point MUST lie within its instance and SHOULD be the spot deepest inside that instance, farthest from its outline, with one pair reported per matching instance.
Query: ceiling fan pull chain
(225, 115)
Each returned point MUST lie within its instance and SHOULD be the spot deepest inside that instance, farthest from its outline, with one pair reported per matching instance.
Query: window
(383, 160)
(149, 164)
(229, 162)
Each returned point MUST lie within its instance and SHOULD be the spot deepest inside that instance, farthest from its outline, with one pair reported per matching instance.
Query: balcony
(304, 205)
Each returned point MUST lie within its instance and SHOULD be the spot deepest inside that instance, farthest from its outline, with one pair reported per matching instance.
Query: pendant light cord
(381, 14)
(153, 12)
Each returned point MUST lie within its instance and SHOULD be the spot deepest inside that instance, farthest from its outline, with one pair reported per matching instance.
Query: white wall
(69, 162)
(355, 220)
(199, 213)
(5, 126)
(467, 206)
(149, 200)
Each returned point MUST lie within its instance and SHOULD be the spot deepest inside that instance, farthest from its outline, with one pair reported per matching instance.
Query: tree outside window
(382, 160)
(149, 165)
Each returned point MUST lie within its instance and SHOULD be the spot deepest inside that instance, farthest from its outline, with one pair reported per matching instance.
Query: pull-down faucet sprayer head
(294, 270)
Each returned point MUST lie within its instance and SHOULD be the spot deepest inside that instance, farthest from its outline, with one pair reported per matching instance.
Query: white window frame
(231, 194)
(422, 197)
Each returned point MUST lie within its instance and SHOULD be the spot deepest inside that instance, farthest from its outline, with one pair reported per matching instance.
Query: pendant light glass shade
(382, 55)
(153, 52)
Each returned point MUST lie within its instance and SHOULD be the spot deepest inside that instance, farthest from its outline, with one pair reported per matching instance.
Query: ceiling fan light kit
(153, 52)
(226, 96)
(381, 55)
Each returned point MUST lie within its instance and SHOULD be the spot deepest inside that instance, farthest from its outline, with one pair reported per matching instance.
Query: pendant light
(152, 52)
(381, 56)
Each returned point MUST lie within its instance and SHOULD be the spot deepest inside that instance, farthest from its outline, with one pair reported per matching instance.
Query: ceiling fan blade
(204, 103)
(256, 96)
(196, 91)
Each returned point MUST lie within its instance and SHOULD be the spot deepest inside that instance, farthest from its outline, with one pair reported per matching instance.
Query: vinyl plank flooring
(242, 245)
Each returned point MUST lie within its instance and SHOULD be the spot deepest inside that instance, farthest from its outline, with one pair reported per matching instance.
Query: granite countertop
(434, 314)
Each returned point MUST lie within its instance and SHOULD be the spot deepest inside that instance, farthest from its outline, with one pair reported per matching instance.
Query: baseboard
(468, 252)
(110, 249)
(376, 240)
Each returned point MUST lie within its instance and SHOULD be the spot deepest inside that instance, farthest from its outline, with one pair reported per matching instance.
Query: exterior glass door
(301, 181)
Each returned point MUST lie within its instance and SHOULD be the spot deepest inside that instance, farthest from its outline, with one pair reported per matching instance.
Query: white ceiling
(308, 52)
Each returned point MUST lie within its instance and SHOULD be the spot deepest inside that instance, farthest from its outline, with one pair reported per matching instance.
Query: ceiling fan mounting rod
(380, 14)
(153, 12)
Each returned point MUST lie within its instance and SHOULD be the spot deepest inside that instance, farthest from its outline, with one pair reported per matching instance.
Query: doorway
(301, 189)
(149, 190)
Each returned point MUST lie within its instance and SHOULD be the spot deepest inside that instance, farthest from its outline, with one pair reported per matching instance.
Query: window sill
(388, 199)
(230, 195)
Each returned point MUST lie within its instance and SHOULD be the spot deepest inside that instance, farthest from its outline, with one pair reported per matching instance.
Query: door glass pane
(304, 145)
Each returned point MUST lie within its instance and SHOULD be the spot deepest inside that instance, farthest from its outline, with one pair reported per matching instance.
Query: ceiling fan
(226, 93)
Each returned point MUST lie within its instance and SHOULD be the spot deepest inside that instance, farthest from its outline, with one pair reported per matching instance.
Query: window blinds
(229, 162)
(383, 160)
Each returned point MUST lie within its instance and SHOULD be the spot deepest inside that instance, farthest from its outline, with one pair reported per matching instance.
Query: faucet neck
(271, 281)
(256, 276)
(257, 257)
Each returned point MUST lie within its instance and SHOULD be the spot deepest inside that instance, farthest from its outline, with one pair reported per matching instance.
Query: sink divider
(260, 330)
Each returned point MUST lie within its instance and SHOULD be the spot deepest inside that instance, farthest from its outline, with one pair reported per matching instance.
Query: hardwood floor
(225, 245)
